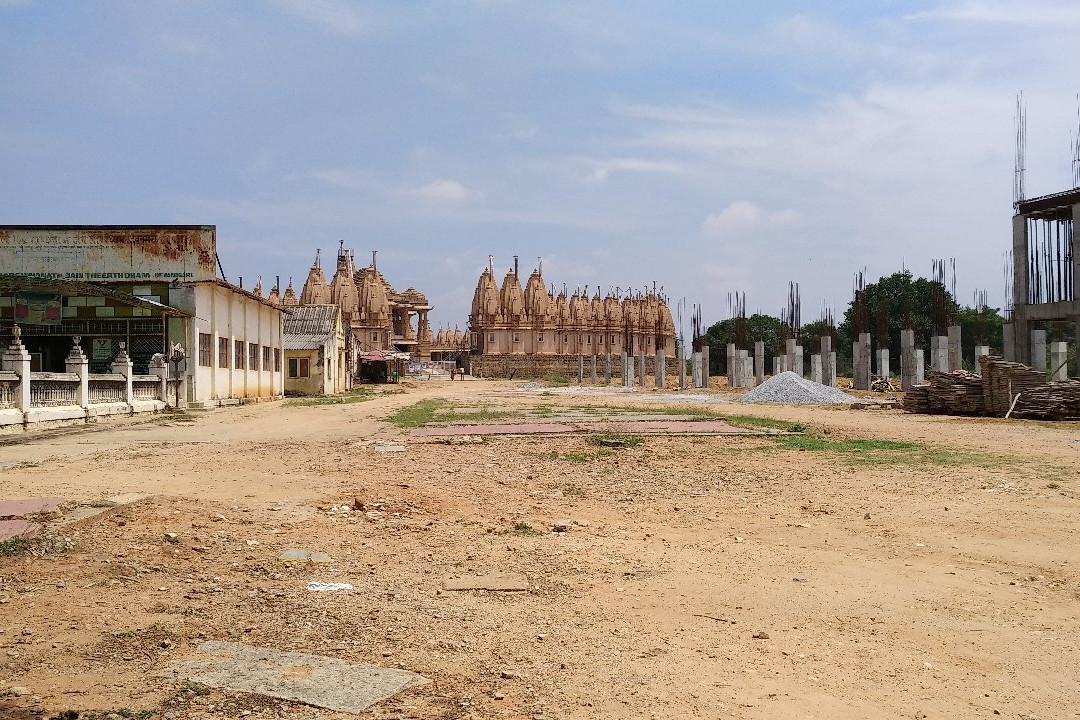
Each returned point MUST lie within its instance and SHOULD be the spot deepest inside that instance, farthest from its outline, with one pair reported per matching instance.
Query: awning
(13, 283)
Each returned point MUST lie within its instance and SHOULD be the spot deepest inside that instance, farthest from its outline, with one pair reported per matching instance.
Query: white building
(315, 357)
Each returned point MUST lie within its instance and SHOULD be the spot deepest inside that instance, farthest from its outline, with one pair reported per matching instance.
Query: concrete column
(641, 368)
(826, 359)
(907, 359)
(883, 362)
(860, 353)
(1038, 350)
(759, 362)
(789, 360)
(980, 350)
(832, 369)
(1009, 342)
(815, 368)
(696, 370)
(956, 357)
(1059, 360)
(628, 370)
(660, 370)
(580, 369)
(919, 377)
(682, 366)
(160, 367)
(17, 360)
(705, 365)
(594, 370)
(941, 355)
(776, 365)
(742, 368)
(1021, 347)
(731, 362)
(77, 362)
(799, 361)
(607, 368)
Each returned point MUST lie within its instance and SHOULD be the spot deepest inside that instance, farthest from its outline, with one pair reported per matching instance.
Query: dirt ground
(707, 577)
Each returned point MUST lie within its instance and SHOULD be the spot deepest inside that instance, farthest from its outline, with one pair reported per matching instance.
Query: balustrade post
(16, 359)
(122, 365)
(77, 362)
(159, 366)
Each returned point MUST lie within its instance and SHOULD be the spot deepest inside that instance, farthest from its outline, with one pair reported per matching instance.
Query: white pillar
(731, 363)
(907, 359)
(1038, 350)
(17, 360)
(159, 366)
(1059, 360)
(697, 369)
(980, 351)
(919, 377)
(1008, 339)
(956, 358)
(861, 356)
(789, 363)
(759, 362)
(77, 362)
(815, 368)
(682, 365)
(660, 369)
(883, 361)
(122, 366)
(939, 353)
(776, 365)
(826, 360)
(705, 365)
(641, 368)
(798, 368)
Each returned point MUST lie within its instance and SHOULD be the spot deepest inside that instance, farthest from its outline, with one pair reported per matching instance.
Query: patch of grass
(521, 529)
(569, 489)
(417, 414)
(355, 395)
(485, 413)
(196, 687)
(881, 452)
(15, 546)
(541, 411)
(557, 380)
(755, 423)
(614, 440)
(179, 416)
(124, 712)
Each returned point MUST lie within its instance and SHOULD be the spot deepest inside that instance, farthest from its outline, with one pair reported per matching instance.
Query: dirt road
(931, 575)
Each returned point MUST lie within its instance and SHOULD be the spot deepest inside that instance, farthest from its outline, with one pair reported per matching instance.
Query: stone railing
(9, 388)
(32, 397)
(54, 389)
(107, 388)
(146, 387)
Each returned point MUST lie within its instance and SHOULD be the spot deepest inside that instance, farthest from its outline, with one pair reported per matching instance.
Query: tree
(758, 327)
(894, 292)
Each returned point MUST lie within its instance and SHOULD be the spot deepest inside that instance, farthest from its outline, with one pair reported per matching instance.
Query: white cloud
(1030, 12)
(443, 191)
(345, 177)
(743, 217)
(335, 15)
(601, 170)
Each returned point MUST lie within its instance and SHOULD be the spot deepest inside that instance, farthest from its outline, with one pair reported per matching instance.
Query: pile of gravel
(787, 388)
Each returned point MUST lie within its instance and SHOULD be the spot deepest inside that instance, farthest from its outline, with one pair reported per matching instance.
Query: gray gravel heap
(787, 388)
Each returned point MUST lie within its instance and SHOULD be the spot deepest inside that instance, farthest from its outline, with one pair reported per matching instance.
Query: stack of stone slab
(956, 393)
(1002, 380)
(1059, 400)
(917, 399)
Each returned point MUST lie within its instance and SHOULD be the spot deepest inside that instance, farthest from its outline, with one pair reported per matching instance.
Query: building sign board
(110, 253)
(38, 308)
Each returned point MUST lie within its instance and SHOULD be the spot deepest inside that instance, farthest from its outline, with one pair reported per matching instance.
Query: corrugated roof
(10, 282)
(305, 342)
(311, 320)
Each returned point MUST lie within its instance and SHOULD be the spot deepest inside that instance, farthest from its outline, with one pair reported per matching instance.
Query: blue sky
(709, 146)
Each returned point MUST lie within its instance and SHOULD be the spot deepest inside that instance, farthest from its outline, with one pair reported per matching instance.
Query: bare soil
(710, 577)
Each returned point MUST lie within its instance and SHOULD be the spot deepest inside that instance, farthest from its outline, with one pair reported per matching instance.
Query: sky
(709, 147)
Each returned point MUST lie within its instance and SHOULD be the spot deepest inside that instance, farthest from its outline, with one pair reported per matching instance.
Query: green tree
(972, 324)
(758, 327)
(892, 291)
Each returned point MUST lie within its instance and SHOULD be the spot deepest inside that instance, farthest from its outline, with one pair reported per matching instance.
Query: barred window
(266, 358)
(238, 355)
(277, 359)
(253, 356)
(205, 348)
(223, 352)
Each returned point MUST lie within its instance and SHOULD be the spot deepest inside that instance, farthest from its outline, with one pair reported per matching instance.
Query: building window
(491, 337)
(253, 356)
(375, 337)
(566, 338)
(298, 368)
(612, 339)
(223, 353)
(540, 337)
(238, 355)
(517, 337)
(277, 360)
(205, 347)
(589, 341)
(266, 358)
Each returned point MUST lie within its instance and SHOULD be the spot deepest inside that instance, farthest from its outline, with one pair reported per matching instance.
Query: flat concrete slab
(296, 555)
(317, 680)
(10, 509)
(18, 528)
(686, 427)
(496, 581)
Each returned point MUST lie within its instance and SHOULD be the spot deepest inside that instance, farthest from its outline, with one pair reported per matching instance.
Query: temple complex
(532, 321)
(377, 317)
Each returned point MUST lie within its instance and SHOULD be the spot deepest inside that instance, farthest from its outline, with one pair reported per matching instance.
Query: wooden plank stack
(917, 399)
(956, 393)
(1052, 401)
(1003, 379)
